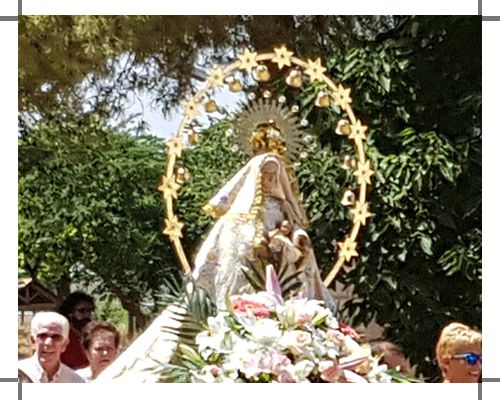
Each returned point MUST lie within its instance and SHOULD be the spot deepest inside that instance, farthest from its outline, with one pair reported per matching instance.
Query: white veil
(238, 196)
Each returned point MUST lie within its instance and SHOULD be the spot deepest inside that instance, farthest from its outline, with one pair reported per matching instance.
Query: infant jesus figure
(284, 251)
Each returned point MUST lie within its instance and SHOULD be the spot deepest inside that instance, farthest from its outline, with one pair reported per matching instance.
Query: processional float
(267, 121)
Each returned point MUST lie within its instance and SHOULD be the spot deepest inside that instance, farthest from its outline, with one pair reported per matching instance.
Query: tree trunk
(134, 311)
(64, 287)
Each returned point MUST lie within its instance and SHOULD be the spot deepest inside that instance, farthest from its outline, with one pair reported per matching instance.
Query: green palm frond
(174, 374)
(172, 290)
(255, 272)
(188, 315)
(290, 284)
(288, 276)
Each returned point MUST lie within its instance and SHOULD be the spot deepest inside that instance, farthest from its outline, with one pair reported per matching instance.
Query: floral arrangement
(262, 338)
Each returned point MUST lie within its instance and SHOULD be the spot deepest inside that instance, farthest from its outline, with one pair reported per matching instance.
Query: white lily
(212, 339)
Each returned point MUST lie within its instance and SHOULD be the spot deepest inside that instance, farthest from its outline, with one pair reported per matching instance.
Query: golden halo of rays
(246, 61)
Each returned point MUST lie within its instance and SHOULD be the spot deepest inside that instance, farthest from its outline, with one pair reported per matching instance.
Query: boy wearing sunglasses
(459, 354)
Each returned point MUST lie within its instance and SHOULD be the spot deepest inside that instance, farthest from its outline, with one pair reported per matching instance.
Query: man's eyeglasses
(55, 337)
(471, 358)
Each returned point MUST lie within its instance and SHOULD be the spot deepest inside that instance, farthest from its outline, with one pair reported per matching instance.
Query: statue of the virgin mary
(258, 205)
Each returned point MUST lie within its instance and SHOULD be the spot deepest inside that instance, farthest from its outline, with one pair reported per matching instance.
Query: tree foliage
(83, 194)
(82, 62)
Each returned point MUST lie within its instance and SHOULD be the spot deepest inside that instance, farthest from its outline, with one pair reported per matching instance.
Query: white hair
(46, 318)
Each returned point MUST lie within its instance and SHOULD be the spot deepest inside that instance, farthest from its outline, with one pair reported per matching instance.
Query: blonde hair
(453, 336)
(46, 318)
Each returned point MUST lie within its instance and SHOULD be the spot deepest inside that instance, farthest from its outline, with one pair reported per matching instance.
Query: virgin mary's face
(269, 175)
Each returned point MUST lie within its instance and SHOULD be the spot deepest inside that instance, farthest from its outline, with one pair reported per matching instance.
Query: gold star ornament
(248, 60)
(216, 77)
(358, 131)
(342, 97)
(348, 249)
(282, 56)
(169, 187)
(175, 146)
(360, 213)
(192, 107)
(315, 70)
(173, 228)
(364, 172)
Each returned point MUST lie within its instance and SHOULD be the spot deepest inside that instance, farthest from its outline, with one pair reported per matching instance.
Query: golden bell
(323, 99)
(193, 138)
(261, 73)
(349, 198)
(343, 127)
(235, 86)
(183, 175)
(294, 78)
(348, 162)
(211, 106)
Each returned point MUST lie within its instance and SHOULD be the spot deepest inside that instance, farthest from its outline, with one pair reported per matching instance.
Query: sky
(164, 127)
(159, 124)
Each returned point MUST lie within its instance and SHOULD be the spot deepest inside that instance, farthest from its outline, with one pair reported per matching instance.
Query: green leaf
(426, 245)
(385, 82)
(190, 354)
(320, 317)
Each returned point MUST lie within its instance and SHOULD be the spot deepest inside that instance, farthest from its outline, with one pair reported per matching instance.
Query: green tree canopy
(67, 61)
(89, 210)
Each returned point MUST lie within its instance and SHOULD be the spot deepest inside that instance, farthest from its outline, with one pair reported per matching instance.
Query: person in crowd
(78, 308)
(392, 355)
(101, 341)
(459, 354)
(50, 333)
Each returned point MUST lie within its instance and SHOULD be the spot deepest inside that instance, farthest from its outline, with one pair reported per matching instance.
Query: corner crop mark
(19, 390)
(13, 17)
(480, 386)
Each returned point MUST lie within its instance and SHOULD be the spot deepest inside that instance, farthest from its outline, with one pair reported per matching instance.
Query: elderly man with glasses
(459, 354)
(49, 332)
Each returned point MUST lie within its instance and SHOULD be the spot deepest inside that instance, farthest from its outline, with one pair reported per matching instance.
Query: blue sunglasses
(471, 358)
